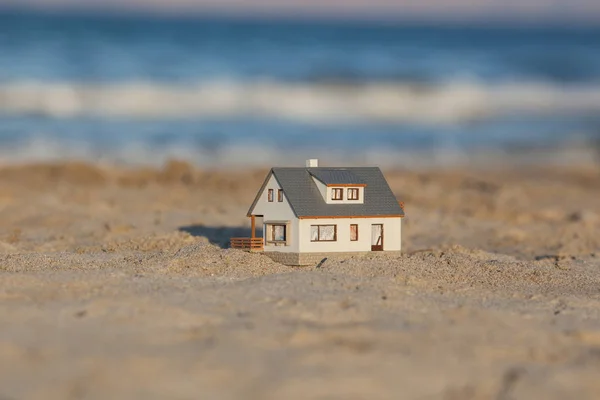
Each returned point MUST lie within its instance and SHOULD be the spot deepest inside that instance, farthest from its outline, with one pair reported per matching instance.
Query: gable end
(262, 189)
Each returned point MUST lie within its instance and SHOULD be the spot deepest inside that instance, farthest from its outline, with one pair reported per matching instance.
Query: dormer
(338, 185)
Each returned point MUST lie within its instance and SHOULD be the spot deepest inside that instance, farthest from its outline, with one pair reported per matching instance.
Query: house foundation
(306, 259)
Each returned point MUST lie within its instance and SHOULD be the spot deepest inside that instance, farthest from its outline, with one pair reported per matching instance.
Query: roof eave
(346, 184)
(350, 216)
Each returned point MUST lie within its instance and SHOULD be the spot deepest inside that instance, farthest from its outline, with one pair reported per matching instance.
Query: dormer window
(337, 194)
(353, 194)
(270, 196)
(338, 185)
(280, 195)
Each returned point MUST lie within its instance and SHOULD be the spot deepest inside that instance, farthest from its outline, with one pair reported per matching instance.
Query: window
(277, 233)
(323, 233)
(337, 194)
(352, 194)
(280, 195)
(270, 197)
(353, 232)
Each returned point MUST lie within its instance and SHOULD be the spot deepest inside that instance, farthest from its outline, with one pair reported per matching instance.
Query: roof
(335, 176)
(306, 200)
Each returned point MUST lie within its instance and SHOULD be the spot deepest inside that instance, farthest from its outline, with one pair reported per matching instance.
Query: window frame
(270, 195)
(280, 195)
(319, 233)
(334, 191)
(271, 234)
(355, 191)
(356, 238)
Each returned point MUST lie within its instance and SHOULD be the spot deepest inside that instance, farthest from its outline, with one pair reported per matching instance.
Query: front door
(377, 237)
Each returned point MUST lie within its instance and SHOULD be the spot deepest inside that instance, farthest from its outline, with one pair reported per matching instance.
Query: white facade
(392, 234)
(277, 213)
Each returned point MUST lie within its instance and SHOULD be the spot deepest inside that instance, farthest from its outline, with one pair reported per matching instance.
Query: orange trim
(347, 185)
(351, 216)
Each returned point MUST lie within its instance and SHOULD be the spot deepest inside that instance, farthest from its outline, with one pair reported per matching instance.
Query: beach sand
(114, 283)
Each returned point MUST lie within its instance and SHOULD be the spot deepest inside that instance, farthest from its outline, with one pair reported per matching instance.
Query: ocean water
(240, 92)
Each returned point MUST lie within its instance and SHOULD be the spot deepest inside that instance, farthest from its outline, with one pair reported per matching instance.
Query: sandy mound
(118, 283)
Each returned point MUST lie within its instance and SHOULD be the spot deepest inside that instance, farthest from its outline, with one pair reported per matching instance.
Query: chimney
(312, 163)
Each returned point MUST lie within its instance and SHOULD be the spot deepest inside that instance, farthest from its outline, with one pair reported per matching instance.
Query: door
(377, 237)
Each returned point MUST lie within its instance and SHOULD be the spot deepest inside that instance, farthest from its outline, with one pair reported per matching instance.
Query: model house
(311, 213)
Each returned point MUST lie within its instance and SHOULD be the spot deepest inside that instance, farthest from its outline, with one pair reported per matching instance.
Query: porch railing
(247, 244)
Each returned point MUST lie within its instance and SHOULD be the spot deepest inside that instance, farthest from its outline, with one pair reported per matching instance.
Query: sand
(115, 283)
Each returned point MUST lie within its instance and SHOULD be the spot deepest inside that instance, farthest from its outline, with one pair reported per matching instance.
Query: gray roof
(335, 176)
(306, 200)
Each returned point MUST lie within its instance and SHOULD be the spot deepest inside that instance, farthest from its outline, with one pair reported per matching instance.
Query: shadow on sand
(218, 235)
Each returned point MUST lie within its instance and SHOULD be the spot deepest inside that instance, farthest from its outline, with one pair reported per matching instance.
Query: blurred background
(264, 82)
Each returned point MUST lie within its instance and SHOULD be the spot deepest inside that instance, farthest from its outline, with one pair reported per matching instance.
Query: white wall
(277, 211)
(392, 234)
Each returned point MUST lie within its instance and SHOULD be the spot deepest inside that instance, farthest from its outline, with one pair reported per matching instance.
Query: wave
(43, 149)
(382, 102)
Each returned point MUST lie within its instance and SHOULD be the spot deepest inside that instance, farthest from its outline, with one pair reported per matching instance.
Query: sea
(232, 91)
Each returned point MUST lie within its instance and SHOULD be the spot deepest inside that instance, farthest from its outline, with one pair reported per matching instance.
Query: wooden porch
(247, 244)
(252, 244)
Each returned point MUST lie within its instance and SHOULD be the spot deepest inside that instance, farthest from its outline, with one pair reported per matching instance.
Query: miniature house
(312, 213)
